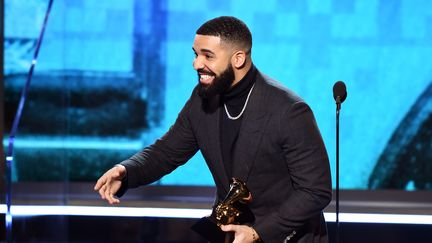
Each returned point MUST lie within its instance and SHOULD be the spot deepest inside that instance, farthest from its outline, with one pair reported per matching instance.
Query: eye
(208, 56)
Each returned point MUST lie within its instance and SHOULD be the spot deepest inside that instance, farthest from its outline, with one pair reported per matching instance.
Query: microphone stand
(338, 107)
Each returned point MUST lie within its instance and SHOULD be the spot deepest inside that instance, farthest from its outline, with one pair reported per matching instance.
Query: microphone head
(339, 90)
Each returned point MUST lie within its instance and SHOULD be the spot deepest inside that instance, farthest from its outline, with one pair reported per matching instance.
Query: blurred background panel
(112, 76)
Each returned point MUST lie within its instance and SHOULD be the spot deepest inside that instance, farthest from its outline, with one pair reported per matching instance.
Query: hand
(242, 233)
(110, 183)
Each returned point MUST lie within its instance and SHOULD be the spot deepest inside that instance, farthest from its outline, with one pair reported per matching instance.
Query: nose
(197, 63)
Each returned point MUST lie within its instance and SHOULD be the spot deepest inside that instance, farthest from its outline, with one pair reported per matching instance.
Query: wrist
(122, 170)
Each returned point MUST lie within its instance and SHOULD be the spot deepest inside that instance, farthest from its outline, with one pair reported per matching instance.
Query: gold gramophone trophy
(229, 211)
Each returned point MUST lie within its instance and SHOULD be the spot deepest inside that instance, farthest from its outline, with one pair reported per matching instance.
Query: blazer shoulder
(278, 94)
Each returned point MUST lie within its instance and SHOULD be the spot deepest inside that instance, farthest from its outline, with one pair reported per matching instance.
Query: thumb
(99, 183)
(229, 227)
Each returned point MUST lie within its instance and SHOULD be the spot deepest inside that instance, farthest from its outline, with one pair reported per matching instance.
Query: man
(249, 127)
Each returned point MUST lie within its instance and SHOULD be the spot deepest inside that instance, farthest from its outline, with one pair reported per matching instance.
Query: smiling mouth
(206, 78)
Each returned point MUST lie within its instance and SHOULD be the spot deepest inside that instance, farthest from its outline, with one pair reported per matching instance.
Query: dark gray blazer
(279, 153)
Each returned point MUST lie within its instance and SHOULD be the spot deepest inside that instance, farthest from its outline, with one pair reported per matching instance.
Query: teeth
(205, 77)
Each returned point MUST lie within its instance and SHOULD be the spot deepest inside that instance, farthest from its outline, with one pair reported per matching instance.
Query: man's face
(212, 62)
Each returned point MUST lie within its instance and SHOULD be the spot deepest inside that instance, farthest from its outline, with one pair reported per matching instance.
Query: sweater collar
(241, 89)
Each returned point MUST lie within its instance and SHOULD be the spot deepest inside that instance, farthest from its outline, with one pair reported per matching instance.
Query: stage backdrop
(113, 75)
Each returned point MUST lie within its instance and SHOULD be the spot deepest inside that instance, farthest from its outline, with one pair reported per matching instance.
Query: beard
(220, 84)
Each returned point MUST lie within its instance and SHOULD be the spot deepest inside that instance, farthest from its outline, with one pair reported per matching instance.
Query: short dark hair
(229, 29)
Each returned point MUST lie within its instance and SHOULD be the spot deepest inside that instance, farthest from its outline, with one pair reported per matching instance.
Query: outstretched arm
(173, 149)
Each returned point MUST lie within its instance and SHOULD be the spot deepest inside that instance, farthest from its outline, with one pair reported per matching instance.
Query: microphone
(339, 93)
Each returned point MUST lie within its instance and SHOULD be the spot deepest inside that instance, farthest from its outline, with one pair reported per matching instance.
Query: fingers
(106, 186)
(102, 187)
(109, 196)
(99, 183)
(238, 238)
(102, 192)
(106, 192)
(242, 233)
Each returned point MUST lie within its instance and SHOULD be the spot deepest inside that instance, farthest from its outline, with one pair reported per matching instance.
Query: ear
(238, 59)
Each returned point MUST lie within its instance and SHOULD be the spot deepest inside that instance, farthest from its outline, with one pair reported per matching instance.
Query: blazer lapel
(251, 131)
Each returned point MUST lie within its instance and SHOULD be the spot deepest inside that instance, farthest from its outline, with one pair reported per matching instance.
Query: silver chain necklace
(244, 106)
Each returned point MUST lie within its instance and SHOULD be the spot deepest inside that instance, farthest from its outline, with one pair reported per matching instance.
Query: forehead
(207, 42)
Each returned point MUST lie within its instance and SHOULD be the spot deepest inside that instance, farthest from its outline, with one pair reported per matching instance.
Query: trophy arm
(238, 192)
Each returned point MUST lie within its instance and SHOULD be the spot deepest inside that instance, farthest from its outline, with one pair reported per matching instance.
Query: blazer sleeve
(309, 170)
(173, 149)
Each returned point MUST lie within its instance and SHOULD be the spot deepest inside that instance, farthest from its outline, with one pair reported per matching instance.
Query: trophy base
(208, 229)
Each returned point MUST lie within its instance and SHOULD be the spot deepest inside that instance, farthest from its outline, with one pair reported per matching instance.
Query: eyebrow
(204, 50)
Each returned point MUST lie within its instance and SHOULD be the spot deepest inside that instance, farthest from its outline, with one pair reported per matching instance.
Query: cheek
(218, 68)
